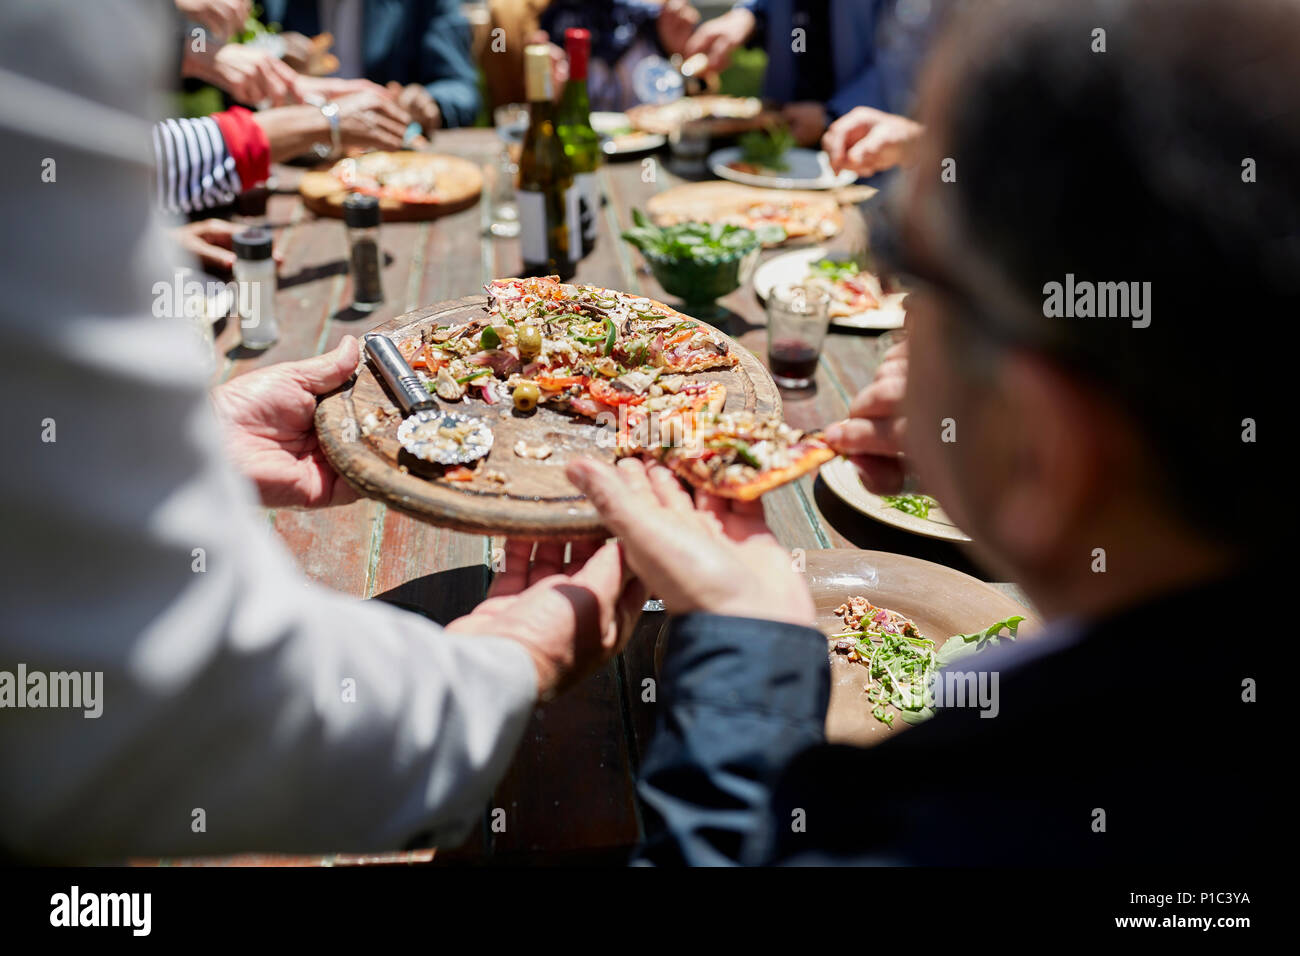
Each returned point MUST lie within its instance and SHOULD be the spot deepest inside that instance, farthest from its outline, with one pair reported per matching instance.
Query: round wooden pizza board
(715, 199)
(357, 427)
(459, 184)
(657, 118)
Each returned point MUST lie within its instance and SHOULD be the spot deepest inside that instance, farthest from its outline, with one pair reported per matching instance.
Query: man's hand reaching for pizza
(872, 435)
(718, 557)
(571, 616)
(270, 433)
(868, 141)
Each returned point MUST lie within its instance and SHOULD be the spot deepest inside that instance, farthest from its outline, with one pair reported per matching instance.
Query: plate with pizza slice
(805, 216)
(409, 185)
(900, 609)
(556, 371)
(859, 298)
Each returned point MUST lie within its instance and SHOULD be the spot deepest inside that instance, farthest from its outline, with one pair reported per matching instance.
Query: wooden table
(569, 794)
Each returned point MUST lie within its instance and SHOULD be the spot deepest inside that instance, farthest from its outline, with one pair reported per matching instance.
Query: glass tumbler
(797, 320)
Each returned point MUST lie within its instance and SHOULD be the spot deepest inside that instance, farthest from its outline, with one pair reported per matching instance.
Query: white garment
(223, 690)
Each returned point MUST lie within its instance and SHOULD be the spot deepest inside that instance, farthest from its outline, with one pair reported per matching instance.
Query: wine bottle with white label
(581, 143)
(545, 179)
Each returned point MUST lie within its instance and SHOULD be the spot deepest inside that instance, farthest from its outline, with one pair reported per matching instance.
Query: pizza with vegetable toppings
(584, 349)
(620, 359)
(735, 455)
(405, 177)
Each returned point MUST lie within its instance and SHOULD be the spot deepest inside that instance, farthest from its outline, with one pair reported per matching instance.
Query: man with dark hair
(1100, 186)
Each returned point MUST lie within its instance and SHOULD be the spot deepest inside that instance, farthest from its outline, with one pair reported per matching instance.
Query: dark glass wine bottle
(545, 179)
(581, 143)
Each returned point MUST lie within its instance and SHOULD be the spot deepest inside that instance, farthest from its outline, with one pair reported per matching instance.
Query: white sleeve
(281, 715)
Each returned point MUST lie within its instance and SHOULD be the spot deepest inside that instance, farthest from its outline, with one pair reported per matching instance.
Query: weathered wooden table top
(569, 794)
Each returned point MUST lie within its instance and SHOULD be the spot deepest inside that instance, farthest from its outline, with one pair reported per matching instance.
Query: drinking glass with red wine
(797, 320)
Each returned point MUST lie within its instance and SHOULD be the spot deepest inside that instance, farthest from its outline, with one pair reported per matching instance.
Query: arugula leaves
(900, 668)
(833, 269)
(696, 240)
(918, 505)
(767, 148)
(965, 645)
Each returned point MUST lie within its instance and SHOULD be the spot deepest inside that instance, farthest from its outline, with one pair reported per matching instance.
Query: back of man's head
(1101, 145)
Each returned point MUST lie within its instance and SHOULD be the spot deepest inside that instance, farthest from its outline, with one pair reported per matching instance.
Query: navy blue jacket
(1140, 716)
(409, 41)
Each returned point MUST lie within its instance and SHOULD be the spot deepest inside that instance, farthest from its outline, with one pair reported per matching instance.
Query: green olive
(526, 395)
(530, 341)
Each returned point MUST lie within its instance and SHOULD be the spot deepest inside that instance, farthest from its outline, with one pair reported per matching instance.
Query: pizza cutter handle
(409, 391)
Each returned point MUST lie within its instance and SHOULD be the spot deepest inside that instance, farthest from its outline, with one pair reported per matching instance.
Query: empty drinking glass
(511, 123)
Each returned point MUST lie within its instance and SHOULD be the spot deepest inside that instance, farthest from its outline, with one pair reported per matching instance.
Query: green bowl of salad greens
(699, 262)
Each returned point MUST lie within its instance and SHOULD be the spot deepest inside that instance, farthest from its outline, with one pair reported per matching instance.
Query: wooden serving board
(459, 184)
(357, 427)
(665, 119)
(717, 199)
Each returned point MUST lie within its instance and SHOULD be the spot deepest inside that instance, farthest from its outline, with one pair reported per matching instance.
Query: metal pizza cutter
(428, 432)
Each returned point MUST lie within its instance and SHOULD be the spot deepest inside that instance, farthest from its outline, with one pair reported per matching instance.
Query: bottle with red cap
(581, 143)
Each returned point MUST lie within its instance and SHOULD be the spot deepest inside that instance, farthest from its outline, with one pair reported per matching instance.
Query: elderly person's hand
(872, 435)
(868, 141)
(718, 557)
(270, 434)
(570, 617)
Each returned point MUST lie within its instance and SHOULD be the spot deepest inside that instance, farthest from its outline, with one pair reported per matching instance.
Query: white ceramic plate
(808, 170)
(841, 476)
(791, 268)
(631, 141)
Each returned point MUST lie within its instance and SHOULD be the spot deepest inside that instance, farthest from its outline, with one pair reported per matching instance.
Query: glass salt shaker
(361, 214)
(255, 276)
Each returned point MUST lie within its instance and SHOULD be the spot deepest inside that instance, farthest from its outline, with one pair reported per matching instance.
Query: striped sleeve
(194, 168)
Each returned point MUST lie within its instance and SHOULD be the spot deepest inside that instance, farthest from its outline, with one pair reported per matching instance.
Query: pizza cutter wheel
(428, 432)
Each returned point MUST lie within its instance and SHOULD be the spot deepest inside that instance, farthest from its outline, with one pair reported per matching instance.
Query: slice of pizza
(405, 177)
(737, 454)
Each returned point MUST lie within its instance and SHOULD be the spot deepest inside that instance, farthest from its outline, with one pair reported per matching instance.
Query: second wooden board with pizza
(410, 186)
(805, 216)
(559, 371)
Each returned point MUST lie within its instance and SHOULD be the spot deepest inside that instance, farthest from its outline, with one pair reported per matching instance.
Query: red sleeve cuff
(248, 145)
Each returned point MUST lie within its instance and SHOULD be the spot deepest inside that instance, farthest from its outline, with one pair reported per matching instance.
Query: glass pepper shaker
(255, 277)
(361, 214)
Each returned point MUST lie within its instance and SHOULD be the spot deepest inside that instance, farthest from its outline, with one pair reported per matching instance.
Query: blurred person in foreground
(418, 49)
(1098, 461)
(298, 719)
